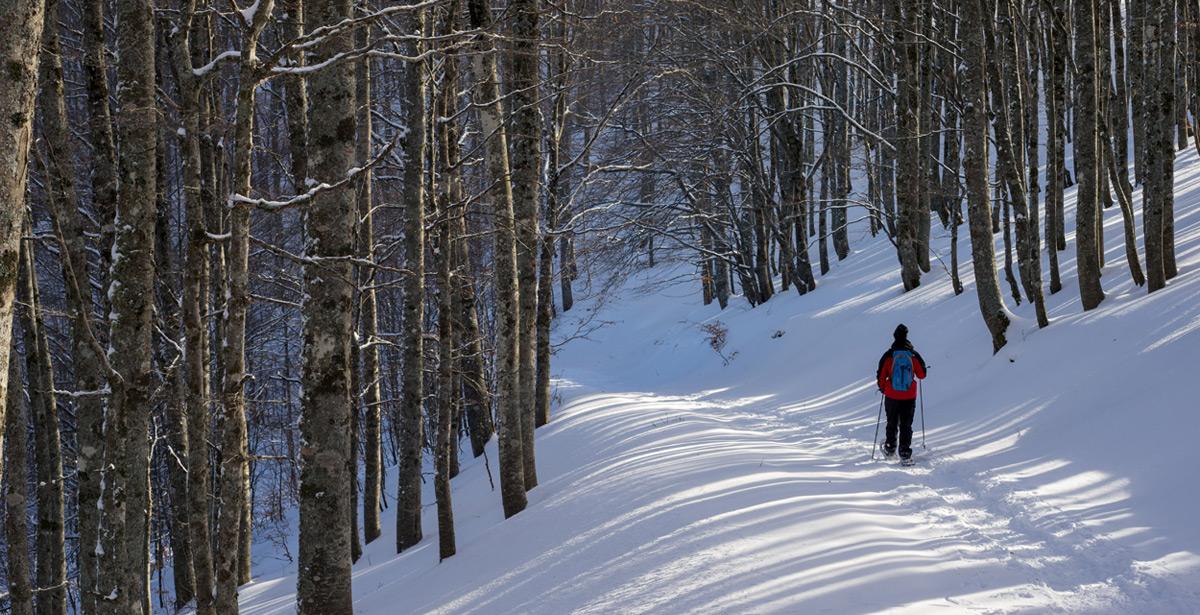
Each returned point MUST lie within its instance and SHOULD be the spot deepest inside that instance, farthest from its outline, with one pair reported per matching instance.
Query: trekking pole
(875, 440)
(922, 392)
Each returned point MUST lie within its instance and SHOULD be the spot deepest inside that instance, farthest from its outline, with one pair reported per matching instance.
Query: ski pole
(875, 440)
(922, 392)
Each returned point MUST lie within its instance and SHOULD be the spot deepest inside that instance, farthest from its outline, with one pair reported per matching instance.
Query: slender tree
(16, 496)
(51, 570)
(507, 349)
(123, 581)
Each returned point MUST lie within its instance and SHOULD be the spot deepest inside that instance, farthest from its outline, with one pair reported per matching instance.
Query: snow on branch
(221, 57)
(317, 188)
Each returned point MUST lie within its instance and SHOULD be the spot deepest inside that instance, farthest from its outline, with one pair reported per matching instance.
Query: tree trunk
(235, 466)
(19, 52)
(1158, 109)
(369, 315)
(408, 498)
(89, 422)
(975, 164)
(1009, 114)
(1086, 140)
(51, 571)
(122, 586)
(324, 582)
(1138, 63)
(908, 170)
(446, 393)
(526, 142)
(475, 390)
(16, 496)
(509, 411)
(195, 330)
(1055, 139)
(86, 352)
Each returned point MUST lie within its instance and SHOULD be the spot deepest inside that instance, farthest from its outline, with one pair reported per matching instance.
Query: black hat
(901, 333)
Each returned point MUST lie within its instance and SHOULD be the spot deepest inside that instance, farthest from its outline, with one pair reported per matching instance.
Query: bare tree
(18, 52)
(975, 164)
(16, 496)
(324, 582)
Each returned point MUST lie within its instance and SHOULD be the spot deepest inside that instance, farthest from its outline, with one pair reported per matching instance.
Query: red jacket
(883, 376)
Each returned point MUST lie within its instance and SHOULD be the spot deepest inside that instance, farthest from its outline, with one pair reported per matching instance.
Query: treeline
(257, 256)
(776, 125)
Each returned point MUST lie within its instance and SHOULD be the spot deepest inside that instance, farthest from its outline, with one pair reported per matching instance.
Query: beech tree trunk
(369, 315)
(123, 583)
(89, 421)
(51, 571)
(526, 180)
(1086, 140)
(195, 331)
(908, 144)
(1158, 110)
(16, 495)
(975, 164)
(18, 53)
(412, 348)
(235, 465)
(324, 582)
(507, 348)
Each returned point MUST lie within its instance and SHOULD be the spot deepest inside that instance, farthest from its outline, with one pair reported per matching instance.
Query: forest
(264, 262)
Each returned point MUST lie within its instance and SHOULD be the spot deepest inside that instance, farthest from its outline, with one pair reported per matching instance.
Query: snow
(249, 12)
(1059, 474)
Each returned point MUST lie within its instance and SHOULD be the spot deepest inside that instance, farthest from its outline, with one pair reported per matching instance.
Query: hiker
(899, 369)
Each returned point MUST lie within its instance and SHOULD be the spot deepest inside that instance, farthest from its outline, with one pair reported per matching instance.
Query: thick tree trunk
(1086, 140)
(324, 582)
(1158, 109)
(908, 142)
(509, 411)
(410, 425)
(975, 164)
(174, 389)
(526, 150)
(18, 52)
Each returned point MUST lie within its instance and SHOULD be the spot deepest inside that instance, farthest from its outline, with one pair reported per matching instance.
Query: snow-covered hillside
(1060, 474)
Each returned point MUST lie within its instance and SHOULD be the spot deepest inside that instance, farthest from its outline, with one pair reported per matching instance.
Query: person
(899, 370)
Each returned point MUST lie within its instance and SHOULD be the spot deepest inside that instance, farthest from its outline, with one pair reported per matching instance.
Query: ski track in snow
(672, 482)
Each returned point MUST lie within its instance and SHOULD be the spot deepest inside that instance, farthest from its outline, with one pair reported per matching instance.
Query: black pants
(899, 417)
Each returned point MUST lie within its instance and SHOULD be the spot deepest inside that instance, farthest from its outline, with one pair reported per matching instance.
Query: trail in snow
(1060, 475)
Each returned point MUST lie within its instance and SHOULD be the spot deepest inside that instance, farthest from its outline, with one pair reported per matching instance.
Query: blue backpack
(902, 370)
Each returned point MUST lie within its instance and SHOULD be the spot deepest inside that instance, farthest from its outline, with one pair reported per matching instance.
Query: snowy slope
(1060, 474)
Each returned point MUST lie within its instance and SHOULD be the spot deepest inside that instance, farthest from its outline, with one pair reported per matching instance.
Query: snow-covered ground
(1060, 474)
